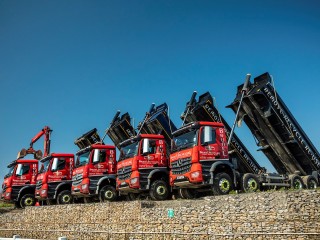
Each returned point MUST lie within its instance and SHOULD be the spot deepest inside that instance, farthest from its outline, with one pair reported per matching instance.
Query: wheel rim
(224, 185)
(28, 201)
(66, 198)
(297, 184)
(161, 190)
(108, 194)
(252, 184)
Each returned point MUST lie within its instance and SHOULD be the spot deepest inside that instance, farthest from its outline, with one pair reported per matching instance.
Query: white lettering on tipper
(296, 134)
(239, 149)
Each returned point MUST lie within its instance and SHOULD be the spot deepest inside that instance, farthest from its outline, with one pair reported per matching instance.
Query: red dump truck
(54, 179)
(20, 183)
(143, 167)
(94, 175)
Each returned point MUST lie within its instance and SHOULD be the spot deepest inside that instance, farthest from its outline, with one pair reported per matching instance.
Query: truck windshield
(10, 172)
(185, 140)
(129, 151)
(43, 167)
(82, 159)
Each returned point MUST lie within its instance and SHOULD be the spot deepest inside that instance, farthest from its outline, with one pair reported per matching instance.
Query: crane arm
(46, 132)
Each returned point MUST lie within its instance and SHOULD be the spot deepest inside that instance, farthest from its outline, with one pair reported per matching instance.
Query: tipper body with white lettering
(278, 134)
(204, 110)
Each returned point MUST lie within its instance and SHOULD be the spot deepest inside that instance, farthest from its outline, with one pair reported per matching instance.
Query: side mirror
(145, 147)
(19, 170)
(96, 154)
(54, 165)
(207, 135)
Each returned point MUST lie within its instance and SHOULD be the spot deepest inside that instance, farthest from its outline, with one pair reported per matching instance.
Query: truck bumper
(125, 188)
(183, 182)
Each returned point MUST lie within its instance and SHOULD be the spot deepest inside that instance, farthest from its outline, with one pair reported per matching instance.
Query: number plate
(180, 177)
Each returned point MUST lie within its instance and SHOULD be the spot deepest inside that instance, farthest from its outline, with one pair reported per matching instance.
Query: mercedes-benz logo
(179, 162)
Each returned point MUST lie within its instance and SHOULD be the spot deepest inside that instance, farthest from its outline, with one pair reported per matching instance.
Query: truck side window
(24, 170)
(61, 164)
(213, 136)
(152, 146)
(101, 156)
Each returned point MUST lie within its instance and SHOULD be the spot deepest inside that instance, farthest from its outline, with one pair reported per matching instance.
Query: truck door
(208, 147)
(59, 169)
(23, 174)
(99, 163)
(148, 151)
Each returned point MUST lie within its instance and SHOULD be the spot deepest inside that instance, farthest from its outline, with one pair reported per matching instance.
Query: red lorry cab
(19, 184)
(135, 164)
(199, 156)
(54, 178)
(95, 172)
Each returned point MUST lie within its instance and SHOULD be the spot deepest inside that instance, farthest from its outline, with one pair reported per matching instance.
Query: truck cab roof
(196, 125)
(52, 155)
(22, 161)
(139, 137)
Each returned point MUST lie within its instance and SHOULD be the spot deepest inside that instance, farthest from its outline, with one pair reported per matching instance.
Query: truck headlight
(43, 192)
(84, 186)
(134, 180)
(195, 174)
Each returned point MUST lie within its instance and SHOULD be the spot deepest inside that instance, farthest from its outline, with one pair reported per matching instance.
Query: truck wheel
(296, 182)
(159, 190)
(27, 200)
(187, 193)
(310, 182)
(107, 193)
(222, 184)
(250, 183)
(64, 197)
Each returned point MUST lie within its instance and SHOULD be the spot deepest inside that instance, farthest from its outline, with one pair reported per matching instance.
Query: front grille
(124, 173)
(39, 184)
(181, 166)
(76, 179)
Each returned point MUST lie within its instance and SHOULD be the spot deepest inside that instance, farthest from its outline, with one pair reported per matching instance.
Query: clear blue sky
(71, 64)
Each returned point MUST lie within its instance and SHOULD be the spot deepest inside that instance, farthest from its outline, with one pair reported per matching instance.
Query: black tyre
(187, 193)
(222, 184)
(64, 197)
(27, 200)
(250, 183)
(296, 182)
(107, 193)
(310, 182)
(159, 190)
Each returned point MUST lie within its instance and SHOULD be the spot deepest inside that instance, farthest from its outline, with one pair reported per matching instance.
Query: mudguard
(60, 185)
(32, 190)
(162, 170)
(229, 166)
